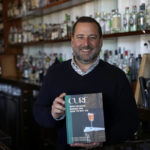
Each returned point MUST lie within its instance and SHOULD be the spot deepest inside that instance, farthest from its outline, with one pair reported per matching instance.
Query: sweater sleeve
(42, 106)
(125, 119)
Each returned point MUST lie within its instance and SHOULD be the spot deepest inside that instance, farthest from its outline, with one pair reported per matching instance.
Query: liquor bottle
(133, 19)
(61, 57)
(108, 23)
(141, 17)
(15, 40)
(29, 30)
(9, 9)
(64, 27)
(116, 21)
(33, 4)
(11, 35)
(126, 17)
(24, 7)
(24, 34)
(132, 64)
(115, 58)
(19, 39)
(120, 65)
(106, 56)
(147, 16)
(138, 63)
(102, 22)
(69, 26)
(126, 66)
(97, 17)
(110, 60)
(28, 4)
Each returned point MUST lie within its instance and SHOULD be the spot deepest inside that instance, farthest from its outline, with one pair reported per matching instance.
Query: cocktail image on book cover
(85, 118)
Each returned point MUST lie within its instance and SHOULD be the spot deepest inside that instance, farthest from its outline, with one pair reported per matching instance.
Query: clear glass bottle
(108, 23)
(147, 16)
(133, 19)
(126, 66)
(126, 17)
(116, 21)
(102, 22)
(132, 64)
(138, 63)
(64, 27)
(116, 58)
(24, 34)
(97, 17)
(120, 65)
(141, 17)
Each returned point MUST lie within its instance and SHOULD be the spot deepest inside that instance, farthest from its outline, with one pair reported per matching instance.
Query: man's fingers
(59, 101)
(87, 146)
(62, 95)
(59, 106)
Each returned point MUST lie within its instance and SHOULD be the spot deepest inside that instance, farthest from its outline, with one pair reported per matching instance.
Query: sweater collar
(77, 69)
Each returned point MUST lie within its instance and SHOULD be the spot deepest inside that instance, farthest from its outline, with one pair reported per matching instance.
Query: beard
(88, 60)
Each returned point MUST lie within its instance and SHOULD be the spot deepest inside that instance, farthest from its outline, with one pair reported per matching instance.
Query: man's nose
(86, 41)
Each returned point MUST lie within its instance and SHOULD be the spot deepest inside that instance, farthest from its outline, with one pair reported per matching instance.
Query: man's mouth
(86, 49)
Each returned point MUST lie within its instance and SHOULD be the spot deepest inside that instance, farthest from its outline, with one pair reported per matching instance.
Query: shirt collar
(77, 69)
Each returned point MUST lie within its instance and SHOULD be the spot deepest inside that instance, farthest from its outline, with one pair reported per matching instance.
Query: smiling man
(87, 73)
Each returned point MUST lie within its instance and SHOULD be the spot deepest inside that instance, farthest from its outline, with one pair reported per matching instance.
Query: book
(85, 118)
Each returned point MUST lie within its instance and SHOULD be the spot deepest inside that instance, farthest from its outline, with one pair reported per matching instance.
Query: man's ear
(101, 42)
(72, 38)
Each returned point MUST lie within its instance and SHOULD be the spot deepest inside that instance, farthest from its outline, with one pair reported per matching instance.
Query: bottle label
(116, 23)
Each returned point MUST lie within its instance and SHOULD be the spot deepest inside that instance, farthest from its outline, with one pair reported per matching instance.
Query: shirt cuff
(60, 118)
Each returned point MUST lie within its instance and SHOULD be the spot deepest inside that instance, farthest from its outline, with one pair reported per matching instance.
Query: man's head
(86, 40)
(85, 19)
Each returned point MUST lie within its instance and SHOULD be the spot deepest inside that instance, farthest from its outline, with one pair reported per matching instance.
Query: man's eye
(92, 37)
(80, 37)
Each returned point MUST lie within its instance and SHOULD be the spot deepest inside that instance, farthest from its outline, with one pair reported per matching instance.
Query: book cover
(85, 118)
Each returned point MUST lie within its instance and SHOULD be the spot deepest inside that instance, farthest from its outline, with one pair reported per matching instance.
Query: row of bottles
(22, 7)
(39, 32)
(110, 23)
(134, 20)
(125, 61)
(35, 67)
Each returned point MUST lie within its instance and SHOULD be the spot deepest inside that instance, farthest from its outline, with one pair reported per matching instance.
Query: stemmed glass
(91, 118)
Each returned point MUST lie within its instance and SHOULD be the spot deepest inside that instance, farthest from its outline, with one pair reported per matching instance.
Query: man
(86, 73)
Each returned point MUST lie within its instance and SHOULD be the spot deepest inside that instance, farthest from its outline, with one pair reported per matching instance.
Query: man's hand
(87, 146)
(58, 107)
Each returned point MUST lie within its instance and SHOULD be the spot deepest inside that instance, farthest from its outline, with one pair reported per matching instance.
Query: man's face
(86, 43)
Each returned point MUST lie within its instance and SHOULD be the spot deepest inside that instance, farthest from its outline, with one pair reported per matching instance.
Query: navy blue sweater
(120, 111)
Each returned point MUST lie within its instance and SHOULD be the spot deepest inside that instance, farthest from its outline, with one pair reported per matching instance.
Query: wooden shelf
(122, 34)
(53, 7)
(106, 36)
(39, 42)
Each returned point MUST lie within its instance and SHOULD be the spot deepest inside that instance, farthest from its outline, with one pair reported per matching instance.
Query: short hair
(85, 19)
